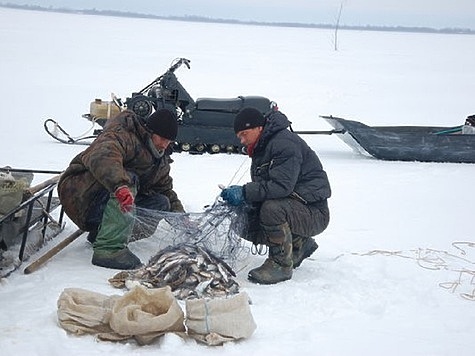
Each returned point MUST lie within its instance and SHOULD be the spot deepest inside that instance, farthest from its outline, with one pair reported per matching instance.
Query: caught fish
(189, 270)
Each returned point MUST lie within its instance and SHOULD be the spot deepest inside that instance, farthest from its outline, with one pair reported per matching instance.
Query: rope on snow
(434, 260)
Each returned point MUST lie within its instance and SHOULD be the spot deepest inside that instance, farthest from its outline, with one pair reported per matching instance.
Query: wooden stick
(48, 255)
(42, 185)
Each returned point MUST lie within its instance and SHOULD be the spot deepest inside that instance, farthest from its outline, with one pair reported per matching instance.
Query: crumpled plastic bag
(215, 321)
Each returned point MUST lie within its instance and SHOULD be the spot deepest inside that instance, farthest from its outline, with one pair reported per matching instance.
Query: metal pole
(20, 170)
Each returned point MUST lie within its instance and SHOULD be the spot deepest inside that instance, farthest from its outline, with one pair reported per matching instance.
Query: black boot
(302, 247)
(122, 259)
(278, 266)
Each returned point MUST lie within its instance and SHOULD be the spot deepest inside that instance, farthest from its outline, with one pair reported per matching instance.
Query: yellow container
(101, 109)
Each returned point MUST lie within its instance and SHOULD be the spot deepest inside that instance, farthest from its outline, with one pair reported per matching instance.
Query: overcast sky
(421, 13)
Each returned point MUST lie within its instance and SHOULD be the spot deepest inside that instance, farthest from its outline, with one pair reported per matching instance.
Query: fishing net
(218, 229)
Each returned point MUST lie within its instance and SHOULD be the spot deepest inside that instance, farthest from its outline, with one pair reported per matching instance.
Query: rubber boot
(110, 249)
(278, 266)
(122, 259)
(302, 247)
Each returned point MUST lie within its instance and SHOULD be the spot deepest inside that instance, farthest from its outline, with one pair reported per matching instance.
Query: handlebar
(178, 63)
(175, 65)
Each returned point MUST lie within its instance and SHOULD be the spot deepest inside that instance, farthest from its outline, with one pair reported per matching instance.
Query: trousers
(304, 220)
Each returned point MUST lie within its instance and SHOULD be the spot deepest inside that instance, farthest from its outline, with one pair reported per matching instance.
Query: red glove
(125, 198)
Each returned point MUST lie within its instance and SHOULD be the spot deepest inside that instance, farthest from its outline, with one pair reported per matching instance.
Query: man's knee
(274, 212)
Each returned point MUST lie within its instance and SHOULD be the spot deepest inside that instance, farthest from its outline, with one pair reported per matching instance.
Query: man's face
(160, 142)
(249, 136)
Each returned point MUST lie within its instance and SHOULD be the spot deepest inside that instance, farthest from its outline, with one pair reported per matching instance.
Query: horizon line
(196, 18)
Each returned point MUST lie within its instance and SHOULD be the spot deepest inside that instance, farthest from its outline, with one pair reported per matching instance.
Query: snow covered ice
(386, 278)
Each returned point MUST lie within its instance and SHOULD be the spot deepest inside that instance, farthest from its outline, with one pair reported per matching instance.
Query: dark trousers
(304, 220)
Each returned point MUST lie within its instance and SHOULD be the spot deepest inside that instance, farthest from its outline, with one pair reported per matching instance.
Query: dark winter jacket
(283, 165)
(124, 146)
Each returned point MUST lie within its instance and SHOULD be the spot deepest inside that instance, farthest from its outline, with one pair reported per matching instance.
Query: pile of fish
(190, 271)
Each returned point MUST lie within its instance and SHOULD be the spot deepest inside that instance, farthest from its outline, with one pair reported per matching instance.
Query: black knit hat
(163, 123)
(248, 118)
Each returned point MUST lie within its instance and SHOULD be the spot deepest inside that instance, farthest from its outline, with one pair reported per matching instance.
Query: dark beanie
(163, 123)
(248, 118)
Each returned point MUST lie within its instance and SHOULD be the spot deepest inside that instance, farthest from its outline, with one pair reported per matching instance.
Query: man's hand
(233, 195)
(125, 198)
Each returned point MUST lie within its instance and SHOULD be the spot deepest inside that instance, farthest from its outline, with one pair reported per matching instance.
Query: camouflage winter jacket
(283, 165)
(124, 145)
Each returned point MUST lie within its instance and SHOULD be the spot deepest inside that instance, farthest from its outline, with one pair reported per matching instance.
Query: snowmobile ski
(58, 133)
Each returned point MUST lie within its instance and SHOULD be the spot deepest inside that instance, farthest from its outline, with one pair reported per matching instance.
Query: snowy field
(386, 279)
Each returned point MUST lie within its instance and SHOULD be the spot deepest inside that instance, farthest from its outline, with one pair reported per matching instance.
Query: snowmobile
(205, 124)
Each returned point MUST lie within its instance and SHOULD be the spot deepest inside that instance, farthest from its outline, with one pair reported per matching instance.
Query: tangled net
(218, 230)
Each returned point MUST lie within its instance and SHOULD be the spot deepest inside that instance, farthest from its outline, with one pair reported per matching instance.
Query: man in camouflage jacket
(287, 197)
(126, 166)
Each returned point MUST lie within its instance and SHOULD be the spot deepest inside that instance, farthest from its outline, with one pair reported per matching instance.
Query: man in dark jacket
(287, 196)
(126, 166)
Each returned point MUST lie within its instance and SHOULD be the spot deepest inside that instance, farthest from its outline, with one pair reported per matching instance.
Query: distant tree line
(94, 11)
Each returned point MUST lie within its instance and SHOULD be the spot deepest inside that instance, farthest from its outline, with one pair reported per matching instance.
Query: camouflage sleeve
(105, 157)
(175, 203)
